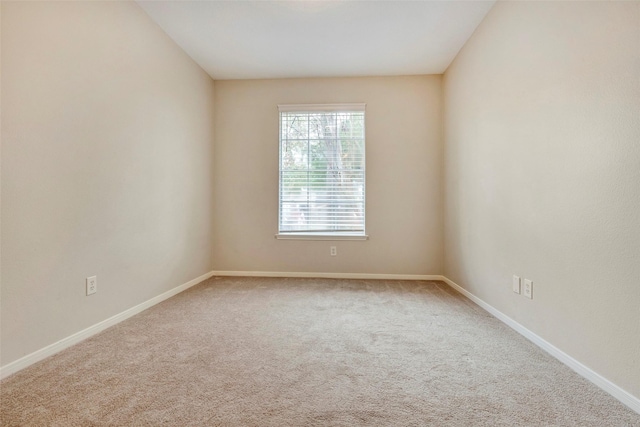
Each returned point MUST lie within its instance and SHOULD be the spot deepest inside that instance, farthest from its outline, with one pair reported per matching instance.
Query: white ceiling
(277, 39)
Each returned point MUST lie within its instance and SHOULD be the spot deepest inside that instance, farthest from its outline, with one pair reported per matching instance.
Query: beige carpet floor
(307, 352)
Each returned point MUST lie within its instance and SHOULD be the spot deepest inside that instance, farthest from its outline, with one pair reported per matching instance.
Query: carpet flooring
(307, 352)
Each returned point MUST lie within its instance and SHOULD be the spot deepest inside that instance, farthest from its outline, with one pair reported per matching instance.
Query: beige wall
(542, 161)
(404, 157)
(107, 139)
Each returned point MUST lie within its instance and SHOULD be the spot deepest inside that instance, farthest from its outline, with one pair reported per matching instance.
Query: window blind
(322, 169)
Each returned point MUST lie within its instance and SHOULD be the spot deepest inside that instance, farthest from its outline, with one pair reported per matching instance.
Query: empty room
(329, 213)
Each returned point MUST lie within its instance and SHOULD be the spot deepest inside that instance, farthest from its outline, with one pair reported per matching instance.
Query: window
(322, 171)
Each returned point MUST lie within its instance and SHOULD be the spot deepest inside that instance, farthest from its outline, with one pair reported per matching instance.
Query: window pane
(295, 155)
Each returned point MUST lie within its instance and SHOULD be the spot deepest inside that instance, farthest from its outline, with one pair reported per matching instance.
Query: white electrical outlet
(516, 284)
(528, 288)
(333, 250)
(92, 285)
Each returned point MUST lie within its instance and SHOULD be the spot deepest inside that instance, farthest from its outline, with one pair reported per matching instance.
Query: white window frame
(321, 235)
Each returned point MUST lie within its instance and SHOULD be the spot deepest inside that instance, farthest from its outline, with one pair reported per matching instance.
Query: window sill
(319, 236)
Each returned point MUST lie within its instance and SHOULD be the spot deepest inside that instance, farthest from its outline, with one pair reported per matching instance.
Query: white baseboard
(64, 343)
(329, 275)
(622, 395)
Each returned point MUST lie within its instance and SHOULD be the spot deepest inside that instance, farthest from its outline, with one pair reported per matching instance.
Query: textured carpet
(305, 352)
